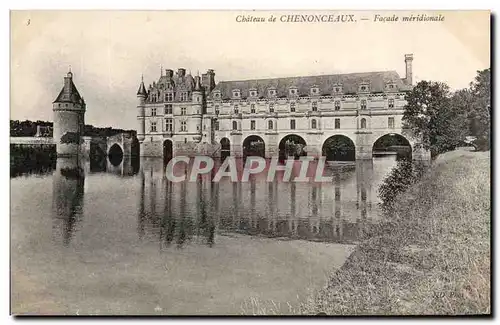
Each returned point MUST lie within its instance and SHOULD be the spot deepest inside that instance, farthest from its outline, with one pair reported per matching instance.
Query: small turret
(142, 94)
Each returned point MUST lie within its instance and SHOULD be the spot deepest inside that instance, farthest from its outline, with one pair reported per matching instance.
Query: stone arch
(254, 145)
(168, 150)
(292, 145)
(115, 154)
(339, 147)
(225, 148)
(392, 143)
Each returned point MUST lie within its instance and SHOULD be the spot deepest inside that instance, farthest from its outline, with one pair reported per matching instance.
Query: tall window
(391, 103)
(252, 108)
(252, 125)
(217, 110)
(168, 108)
(391, 122)
(184, 96)
(337, 105)
(363, 123)
(169, 125)
(270, 125)
(292, 124)
(153, 126)
(363, 104)
(153, 111)
(271, 107)
(313, 124)
(292, 107)
(183, 126)
(314, 106)
(216, 125)
(183, 111)
(236, 109)
(235, 125)
(169, 97)
(337, 123)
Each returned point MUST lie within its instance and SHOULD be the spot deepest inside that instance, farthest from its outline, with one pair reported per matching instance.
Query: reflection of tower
(293, 209)
(68, 189)
(140, 213)
(364, 177)
(69, 119)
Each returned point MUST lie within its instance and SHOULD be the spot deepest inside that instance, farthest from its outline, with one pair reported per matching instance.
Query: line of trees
(443, 119)
(28, 129)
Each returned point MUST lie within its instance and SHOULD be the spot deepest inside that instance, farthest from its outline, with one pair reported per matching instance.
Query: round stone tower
(142, 94)
(69, 119)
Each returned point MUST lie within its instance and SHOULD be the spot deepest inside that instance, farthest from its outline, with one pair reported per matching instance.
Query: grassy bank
(433, 257)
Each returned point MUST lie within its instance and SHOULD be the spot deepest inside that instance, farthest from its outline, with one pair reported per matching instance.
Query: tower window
(391, 122)
(314, 106)
(153, 126)
(363, 104)
(292, 107)
(313, 124)
(271, 107)
(337, 123)
(252, 108)
(153, 111)
(183, 111)
(183, 126)
(337, 105)
(391, 103)
(292, 124)
(252, 125)
(169, 125)
(363, 123)
(270, 125)
(168, 108)
(235, 125)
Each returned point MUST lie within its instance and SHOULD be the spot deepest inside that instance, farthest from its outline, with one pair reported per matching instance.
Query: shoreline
(432, 257)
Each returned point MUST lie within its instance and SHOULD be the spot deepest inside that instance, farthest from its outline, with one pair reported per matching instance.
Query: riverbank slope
(433, 257)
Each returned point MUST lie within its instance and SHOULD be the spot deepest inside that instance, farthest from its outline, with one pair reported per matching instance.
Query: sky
(108, 51)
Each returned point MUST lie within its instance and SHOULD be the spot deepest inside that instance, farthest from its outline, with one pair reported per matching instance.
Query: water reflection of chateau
(336, 212)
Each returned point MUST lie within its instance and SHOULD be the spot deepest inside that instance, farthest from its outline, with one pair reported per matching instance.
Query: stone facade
(191, 112)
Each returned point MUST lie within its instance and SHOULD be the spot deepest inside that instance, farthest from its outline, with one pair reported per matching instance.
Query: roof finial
(69, 68)
(161, 70)
(142, 77)
(70, 74)
(198, 73)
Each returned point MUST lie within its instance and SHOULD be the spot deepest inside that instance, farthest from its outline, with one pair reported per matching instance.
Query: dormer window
(337, 105)
(271, 107)
(314, 91)
(169, 97)
(293, 91)
(253, 93)
(391, 103)
(271, 92)
(217, 95)
(184, 96)
(217, 111)
(292, 107)
(364, 87)
(314, 106)
(236, 110)
(236, 93)
(252, 108)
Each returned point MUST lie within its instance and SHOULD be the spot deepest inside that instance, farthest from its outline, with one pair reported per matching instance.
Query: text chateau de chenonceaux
(184, 115)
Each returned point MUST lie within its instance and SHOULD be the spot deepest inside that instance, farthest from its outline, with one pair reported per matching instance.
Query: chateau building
(184, 115)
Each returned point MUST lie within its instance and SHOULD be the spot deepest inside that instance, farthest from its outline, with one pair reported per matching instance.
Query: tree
(480, 89)
(431, 116)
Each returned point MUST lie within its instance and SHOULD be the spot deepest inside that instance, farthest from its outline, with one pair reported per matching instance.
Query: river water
(124, 240)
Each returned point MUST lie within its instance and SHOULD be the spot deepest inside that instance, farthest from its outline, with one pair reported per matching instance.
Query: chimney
(181, 72)
(409, 73)
(208, 80)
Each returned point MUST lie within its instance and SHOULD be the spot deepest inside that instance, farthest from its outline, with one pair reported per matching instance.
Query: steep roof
(350, 83)
(142, 89)
(69, 93)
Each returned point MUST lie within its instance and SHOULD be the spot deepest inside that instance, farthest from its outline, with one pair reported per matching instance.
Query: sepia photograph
(250, 163)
